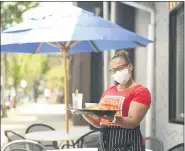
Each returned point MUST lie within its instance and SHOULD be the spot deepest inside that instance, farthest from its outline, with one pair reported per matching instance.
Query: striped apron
(115, 138)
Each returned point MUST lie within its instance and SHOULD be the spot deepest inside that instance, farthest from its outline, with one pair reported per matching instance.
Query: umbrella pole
(65, 90)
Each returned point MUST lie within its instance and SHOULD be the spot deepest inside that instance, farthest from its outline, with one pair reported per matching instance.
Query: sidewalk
(18, 120)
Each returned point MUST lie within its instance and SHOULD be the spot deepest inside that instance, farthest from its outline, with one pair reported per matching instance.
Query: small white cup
(77, 100)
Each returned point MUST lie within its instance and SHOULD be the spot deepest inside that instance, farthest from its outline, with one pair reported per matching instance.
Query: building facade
(167, 128)
(168, 100)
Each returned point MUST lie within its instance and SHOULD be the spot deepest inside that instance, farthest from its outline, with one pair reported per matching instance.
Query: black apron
(115, 138)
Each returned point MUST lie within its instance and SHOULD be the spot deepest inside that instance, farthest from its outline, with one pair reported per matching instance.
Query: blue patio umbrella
(75, 30)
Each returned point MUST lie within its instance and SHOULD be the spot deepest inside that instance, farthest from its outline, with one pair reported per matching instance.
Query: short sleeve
(143, 96)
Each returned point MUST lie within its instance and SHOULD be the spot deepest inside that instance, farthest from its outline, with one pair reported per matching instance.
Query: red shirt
(113, 99)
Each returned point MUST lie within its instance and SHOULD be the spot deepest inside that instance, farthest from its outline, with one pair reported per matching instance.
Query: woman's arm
(136, 114)
(137, 110)
(93, 120)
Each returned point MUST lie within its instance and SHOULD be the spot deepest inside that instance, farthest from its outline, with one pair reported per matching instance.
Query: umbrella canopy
(75, 30)
(84, 30)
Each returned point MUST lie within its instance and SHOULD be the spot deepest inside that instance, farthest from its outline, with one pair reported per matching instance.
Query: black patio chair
(12, 136)
(179, 147)
(19, 150)
(81, 141)
(154, 144)
(43, 127)
(24, 145)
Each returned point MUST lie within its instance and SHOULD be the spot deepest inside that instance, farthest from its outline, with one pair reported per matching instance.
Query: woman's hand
(106, 117)
(95, 118)
(89, 115)
(92, 119)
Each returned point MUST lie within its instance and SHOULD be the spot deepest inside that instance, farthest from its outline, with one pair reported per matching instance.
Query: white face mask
(122, 77)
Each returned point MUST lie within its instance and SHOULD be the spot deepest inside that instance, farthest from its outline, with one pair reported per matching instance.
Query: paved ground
(18, 120)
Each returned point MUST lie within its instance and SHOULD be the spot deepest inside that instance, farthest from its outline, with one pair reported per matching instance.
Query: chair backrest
(38, 127)
(83, 139)
(12, 136)
(154, 144)
(92, 139)
(19, 150)
(24, 145)
(43, 127)
(179, 147)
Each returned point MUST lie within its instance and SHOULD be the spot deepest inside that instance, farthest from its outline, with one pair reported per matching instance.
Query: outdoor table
(57, 135)
(84, 149)
(77, 149)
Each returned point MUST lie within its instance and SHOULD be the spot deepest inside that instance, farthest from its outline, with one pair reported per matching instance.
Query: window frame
(172, 65)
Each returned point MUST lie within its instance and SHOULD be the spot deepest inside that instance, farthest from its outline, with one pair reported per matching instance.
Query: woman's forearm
(95, 121)
(126, 122)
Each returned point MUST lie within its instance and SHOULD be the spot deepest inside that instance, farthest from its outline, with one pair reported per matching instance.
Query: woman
(122, 132)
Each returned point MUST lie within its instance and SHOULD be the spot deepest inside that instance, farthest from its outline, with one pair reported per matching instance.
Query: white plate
(90, 104)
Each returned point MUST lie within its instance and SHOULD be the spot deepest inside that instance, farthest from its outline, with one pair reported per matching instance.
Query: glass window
(176, 66)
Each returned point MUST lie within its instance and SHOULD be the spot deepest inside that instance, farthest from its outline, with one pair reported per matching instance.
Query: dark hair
(122, 54)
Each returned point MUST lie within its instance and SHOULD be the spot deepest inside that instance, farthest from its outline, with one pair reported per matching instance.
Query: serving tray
(94, 112)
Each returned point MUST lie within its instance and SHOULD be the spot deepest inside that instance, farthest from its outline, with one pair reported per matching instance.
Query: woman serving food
(122, 131)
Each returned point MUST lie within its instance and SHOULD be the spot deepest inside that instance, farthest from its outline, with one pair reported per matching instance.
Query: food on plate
(96, 107)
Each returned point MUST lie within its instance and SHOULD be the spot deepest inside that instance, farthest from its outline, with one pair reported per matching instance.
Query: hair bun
(122, 52)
